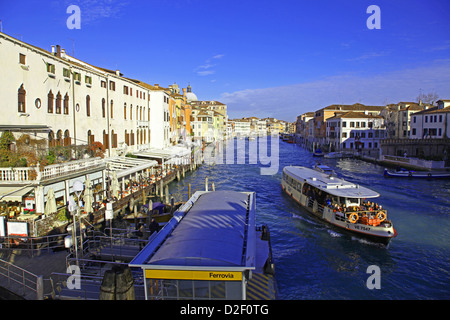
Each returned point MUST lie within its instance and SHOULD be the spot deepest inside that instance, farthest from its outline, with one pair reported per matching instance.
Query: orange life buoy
(353, 217)
(381, 215)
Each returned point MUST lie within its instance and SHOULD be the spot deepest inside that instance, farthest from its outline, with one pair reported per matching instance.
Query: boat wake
(334, 234)
(299, 217)
(368, 242)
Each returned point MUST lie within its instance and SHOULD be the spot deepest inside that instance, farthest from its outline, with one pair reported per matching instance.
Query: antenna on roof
(73, 47)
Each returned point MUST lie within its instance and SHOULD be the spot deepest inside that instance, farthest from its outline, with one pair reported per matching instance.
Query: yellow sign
(194, 275)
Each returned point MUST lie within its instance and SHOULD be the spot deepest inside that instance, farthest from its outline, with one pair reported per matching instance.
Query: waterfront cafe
(24, 197)
(206, 251)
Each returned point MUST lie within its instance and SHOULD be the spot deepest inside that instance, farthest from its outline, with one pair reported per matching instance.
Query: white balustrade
(22, 174)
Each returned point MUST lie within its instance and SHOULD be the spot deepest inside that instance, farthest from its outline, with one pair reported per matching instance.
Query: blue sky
(262, 58)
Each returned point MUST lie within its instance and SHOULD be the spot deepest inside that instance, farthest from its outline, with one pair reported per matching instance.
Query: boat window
(353, 200)
(305, 188)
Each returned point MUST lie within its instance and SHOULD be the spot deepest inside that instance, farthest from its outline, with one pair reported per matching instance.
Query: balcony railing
(70, 167)
(16, 174)
(28, 174)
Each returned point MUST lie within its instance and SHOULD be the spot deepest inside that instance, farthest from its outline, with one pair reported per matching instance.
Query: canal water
(316, 261)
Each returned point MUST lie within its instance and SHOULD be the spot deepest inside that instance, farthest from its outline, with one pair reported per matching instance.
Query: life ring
(381, 215)
(353, 217)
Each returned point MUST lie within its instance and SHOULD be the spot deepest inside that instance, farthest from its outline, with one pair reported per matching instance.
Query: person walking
(154, 226)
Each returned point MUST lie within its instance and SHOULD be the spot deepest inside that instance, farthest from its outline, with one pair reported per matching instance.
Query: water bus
(339, 202)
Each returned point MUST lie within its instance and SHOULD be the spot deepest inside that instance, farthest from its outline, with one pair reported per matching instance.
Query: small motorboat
(290, 139)
(338, 155)
(405, 173)
(324, 169)
(155, 206)
(161, 212)
(333, 155)
(318, 153)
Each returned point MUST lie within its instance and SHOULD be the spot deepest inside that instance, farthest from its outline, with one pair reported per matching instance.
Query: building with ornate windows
(52, 101)
(67, 101)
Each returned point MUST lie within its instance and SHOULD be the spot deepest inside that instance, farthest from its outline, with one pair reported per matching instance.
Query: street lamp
(77, 188)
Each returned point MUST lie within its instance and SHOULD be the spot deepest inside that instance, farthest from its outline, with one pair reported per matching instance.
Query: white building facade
(355, 131)
(432, 123)
(242, 128)
(77, 102)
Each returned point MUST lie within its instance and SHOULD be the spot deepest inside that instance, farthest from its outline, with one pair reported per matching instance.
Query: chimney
(53, 50)
(118, 73)
(63, 53)
(157, 85)
(184, 92)
(58, 50)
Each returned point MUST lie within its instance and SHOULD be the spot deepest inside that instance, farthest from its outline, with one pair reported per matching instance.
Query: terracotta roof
(356, 106)
(433, 110)
(353, 114)
(212, 102)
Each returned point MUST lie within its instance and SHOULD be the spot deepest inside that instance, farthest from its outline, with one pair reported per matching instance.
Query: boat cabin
(317, 190)
(339, 202)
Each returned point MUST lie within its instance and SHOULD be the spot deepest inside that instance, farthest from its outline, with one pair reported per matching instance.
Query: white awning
(163, 154)
(8, 193)
(124, 166)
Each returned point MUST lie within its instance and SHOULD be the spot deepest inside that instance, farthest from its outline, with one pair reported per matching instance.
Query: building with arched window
(78, 98)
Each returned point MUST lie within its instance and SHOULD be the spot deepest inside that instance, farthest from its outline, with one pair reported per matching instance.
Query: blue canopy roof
(155, 206)
(214, 232)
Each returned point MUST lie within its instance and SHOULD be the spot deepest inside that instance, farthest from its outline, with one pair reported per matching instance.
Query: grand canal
(315, 261)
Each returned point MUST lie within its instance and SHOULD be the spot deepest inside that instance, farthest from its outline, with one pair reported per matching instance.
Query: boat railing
(320, 207)
(365, 212)
(369, 217)
(351, 209)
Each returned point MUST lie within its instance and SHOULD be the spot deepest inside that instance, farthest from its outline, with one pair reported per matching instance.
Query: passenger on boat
(310, 193)
(154, 226)
(141, 235)
(328, 202)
